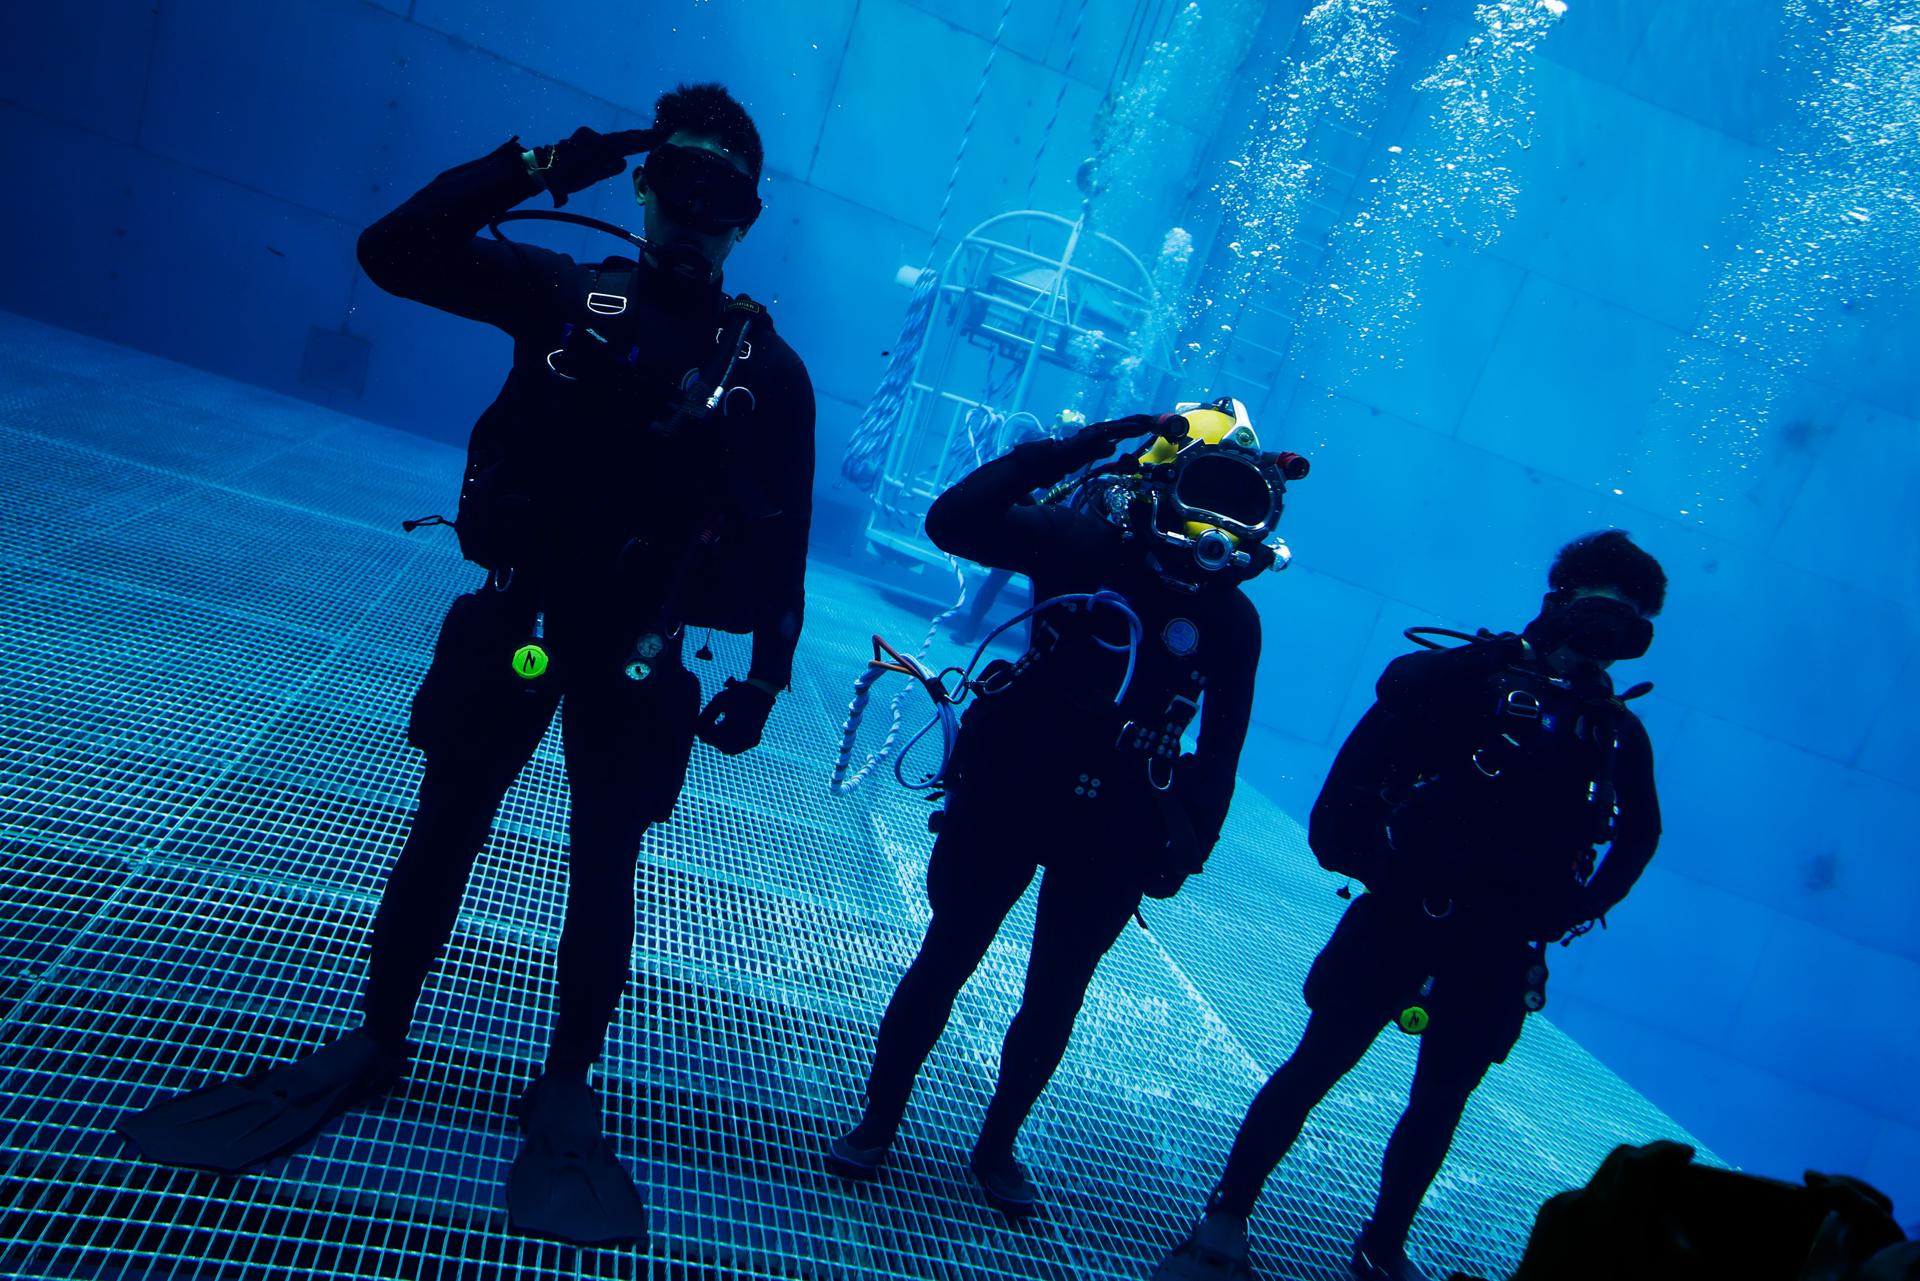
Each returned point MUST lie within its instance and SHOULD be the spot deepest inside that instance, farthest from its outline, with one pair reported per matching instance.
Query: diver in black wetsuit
(1070, 757)
(1470, 800)
(648, 464)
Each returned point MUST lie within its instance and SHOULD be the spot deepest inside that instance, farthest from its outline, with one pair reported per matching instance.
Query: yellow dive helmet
(1210, 493)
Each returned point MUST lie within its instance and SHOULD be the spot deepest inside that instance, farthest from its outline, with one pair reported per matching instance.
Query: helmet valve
(1213, 550)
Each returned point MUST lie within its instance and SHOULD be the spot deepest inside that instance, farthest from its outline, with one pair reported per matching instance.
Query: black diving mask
(1599, 627)
(699, 189)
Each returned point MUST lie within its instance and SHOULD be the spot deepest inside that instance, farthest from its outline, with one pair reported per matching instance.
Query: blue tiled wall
(193, 174)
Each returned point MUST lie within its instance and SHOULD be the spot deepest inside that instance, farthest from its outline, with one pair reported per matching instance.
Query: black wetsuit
(1460, 895)
(579, 451)
(1018, 786)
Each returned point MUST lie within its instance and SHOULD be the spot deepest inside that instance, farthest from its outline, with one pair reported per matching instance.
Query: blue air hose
(946, 701)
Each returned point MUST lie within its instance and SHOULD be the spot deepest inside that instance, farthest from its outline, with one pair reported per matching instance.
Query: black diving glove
(587, 157)
(1185, 852)
(735, 717)
(1096, 440)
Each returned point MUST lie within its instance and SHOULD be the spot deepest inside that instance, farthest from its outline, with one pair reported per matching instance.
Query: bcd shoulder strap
(610, 287)
(1594, 728)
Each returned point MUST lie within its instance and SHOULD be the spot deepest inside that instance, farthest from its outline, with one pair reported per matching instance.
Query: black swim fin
(233, 1126)
(567, 1184)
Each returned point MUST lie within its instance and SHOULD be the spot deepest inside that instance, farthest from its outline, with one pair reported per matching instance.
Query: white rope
(966, 134)
(1059, 99)
(867, 448)
(841, 782)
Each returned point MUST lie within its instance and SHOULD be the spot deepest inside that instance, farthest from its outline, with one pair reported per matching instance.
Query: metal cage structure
(1034, 310)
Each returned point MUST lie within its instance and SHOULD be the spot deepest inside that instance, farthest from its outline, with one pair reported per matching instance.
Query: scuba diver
(647, 466)
(1070, 757)
(1469, 800)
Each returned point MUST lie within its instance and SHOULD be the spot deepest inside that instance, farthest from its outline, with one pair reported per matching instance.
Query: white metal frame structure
(1037, 291)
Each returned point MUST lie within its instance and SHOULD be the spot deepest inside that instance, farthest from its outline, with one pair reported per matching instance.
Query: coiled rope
(916, 667)
(867, 448)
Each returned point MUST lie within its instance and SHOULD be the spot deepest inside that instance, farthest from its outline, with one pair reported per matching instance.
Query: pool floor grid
(207, 780)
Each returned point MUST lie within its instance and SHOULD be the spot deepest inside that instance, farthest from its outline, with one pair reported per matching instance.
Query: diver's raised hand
(587, 156)
(1115, 430)
(1096, 440)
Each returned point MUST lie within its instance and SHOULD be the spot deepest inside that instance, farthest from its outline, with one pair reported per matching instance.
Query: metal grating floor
(217, 625)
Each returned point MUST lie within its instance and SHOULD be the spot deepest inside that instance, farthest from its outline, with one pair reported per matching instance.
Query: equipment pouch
(495, 526)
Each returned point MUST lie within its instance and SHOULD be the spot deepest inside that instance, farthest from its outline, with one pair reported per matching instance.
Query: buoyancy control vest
(1046, 724)
(705, 566)
(1512, 798)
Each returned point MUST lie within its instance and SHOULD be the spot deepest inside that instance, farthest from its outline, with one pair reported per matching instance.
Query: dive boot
(1005, 1182)
(237, 1125)
(1216, 1251)
(567, 1184)
(1377, 1261)
(848, 1159)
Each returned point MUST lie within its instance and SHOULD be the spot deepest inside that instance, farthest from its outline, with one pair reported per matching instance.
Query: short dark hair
(709, 111)
(1609, 558)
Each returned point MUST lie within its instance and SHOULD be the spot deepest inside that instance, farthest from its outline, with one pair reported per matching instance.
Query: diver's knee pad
(492, 685)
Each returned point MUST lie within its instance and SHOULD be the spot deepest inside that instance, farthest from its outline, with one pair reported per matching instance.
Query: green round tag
(529, 662)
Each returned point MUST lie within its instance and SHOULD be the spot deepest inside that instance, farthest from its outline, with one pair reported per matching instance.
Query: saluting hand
(1115, 430)
(587, 156)
(1096, 440)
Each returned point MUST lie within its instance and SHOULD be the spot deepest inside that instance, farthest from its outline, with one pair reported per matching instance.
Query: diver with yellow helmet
(1210, 495)
(1070, 757)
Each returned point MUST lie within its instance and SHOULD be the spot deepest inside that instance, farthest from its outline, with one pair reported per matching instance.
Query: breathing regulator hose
(948, 698)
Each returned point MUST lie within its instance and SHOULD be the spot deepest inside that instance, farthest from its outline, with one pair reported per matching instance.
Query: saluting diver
(648, 464)
(1071, 757)
(1470, 800)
